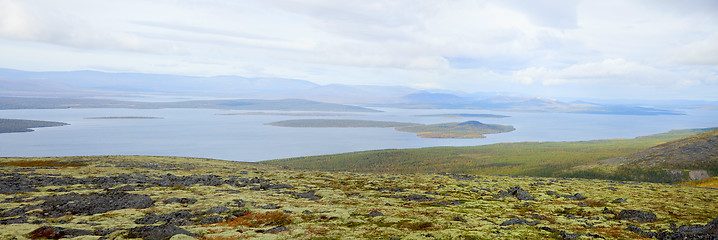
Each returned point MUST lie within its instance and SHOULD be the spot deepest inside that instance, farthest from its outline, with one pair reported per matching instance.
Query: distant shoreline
(124, 117)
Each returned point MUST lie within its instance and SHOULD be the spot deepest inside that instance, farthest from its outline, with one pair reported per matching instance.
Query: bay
(203, 133)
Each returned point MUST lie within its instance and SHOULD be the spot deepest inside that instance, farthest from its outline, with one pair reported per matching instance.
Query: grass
(347, 198)
(41, 163)
(522, 159)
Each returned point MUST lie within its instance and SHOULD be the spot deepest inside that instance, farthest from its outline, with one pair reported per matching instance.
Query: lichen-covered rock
(637, 216)
(180, 200)
(516, 192)
(162, 232)
(276, 230)
(519, 221)
(92, 203)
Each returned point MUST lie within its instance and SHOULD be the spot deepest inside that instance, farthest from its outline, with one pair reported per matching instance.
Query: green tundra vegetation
(131, 197)
(20, 125)
(546, 159)
(469, 129)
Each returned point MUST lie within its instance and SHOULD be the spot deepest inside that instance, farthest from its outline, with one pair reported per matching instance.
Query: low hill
(691, 158)
(469, 129)
(147, 197)
(525, 158)
(231, 104)
(21, 125)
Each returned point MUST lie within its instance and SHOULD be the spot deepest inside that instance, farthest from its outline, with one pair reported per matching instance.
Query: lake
(203, 133)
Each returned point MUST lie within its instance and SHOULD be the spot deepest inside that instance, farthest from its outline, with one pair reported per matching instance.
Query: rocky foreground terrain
(124, 197)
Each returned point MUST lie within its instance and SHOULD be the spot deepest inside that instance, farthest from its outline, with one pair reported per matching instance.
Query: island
(124, 117)
(464, 115)
(21, 125)
(468, 129)
(339, 123)
(300, 114)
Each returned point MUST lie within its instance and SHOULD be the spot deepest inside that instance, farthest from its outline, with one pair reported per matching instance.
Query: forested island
(469, 129)
(21, 125)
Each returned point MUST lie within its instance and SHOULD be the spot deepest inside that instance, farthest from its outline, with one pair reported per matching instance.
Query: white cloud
(21, 22)
(460, 44)
(617, 72)
(701, 52)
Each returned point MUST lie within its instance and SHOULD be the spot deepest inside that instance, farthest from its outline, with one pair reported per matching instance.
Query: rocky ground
(122, 197)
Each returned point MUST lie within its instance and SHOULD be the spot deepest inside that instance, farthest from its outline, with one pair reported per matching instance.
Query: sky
(612, 49)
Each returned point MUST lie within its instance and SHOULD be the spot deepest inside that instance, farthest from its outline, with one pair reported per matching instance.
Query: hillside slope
(525, 158)
(690, 158)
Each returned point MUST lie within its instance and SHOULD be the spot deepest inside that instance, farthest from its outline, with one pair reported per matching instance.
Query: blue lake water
(202, 133)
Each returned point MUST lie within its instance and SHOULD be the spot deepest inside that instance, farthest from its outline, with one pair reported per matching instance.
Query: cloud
(615, 72)
(22, 22)
(701, 52)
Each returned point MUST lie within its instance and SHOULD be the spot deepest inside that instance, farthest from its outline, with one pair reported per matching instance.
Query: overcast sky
(601, 48)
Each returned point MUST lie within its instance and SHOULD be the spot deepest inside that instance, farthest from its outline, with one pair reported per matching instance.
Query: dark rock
(637, 216)
(516, 192)
(382, 189)
(638, 231)
(276, 230)
(375, 213)
(239, 202)
(307, 212)
(459, 219)
(124, 188)
(308, 195)
(49, 232)
(577, 197)
(16, 220)
(217, 209)
(548, 229)
(418, 198)
(452, 203)
(520, 221)
(240, 212)
(549, 192)
(175, 218)
(607, 211)
(180, 200)
(269, 185)
(583, 204)
(619, 200)
(610, 188)
(269, 206)
(20, 211)
(162, 232)
(89, 204)
(211, 219)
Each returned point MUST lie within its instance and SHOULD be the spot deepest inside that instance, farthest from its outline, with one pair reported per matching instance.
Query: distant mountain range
(111, 85)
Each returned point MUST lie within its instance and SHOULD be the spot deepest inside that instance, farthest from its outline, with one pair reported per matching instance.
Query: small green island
(464, 115)
(124, 117)
(468, 129)
(21, 125)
